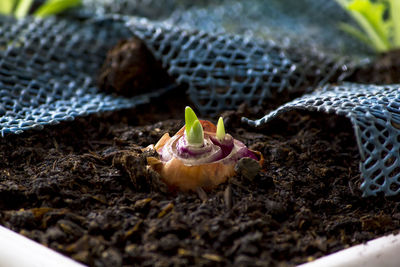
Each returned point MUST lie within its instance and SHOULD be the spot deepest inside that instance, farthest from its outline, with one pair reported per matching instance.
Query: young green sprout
(220, 129)
(194, 130)
(199, 155)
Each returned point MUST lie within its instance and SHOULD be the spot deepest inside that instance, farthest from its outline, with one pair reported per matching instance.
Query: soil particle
(384, 70)
(130, 68)
(83, 189)
(247, 168)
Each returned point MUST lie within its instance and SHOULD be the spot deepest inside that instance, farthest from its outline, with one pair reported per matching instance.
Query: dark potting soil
(83, 189)
(384, 70)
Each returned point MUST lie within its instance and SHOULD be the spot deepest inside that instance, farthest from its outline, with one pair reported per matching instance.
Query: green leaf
(394, 6)
(190, 118)
(22, 8)
(196, 134)
(356, 33)
(220, 129)
(370, 17)
(52, 7)
(7, 6)
(194, 130)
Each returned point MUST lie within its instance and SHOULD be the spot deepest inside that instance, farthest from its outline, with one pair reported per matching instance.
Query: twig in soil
(212, 257)
(228, 197)
(94, 155)
(165, 210)
(56, 146)
(351, 188)
(202, 194)
(54, 165)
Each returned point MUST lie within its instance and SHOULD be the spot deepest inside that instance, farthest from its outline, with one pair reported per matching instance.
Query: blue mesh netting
(226, 52)
(48, 68)
(375, 114)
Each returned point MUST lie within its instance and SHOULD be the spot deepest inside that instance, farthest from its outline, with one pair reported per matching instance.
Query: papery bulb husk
(180, 176)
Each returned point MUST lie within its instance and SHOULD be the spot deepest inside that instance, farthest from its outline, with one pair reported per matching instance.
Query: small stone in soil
(248, 168)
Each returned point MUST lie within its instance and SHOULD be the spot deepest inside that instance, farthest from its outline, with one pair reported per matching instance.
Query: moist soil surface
(83, 189)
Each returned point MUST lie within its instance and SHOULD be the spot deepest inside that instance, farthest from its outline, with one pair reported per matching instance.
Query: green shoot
(20, 8)
(379, 21)
(196, 134)
(194, 130)
(7, 7)
(190, 118)
(220, 129)
(52, 7)
(395, 15)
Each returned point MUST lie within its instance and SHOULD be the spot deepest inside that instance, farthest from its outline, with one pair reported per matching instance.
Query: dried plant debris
(83, 189)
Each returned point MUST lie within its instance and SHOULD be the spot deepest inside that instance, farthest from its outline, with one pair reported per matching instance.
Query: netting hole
(395, 172)
(247, 90)
(239, 79)
(166, 49)
(380, 181)
(259, 90)
(379, 127)
(373, 187)
(222, 90)
(386, 134)
(381, 139)
(203, 102)
(370, 147)
(389, 147)
(220, 65)
(201, 73)
(394, 186)
(376, 173)
(389, 162)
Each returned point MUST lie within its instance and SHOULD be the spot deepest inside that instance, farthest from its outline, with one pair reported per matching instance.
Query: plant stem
(22, 8)
(394, 6)
(379, 42)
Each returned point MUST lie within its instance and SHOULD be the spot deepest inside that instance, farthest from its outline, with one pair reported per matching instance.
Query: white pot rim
(382, 251)
(19, 251)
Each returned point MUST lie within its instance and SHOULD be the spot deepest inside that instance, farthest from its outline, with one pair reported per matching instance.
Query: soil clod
(89, 195)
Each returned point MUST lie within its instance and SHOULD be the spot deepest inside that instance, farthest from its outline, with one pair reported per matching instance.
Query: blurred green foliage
(21, 8)
(379, 22)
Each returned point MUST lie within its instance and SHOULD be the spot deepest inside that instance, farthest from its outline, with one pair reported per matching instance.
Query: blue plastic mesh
(230, 52)
(48, 70)
(48, 67)
(222, 71)
(226, 52)
(375, 114)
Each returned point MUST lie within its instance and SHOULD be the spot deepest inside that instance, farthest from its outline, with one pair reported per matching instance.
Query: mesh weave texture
(375, 114)
(48, 68)
(226, 52)
(230, 52)
(223, 71)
